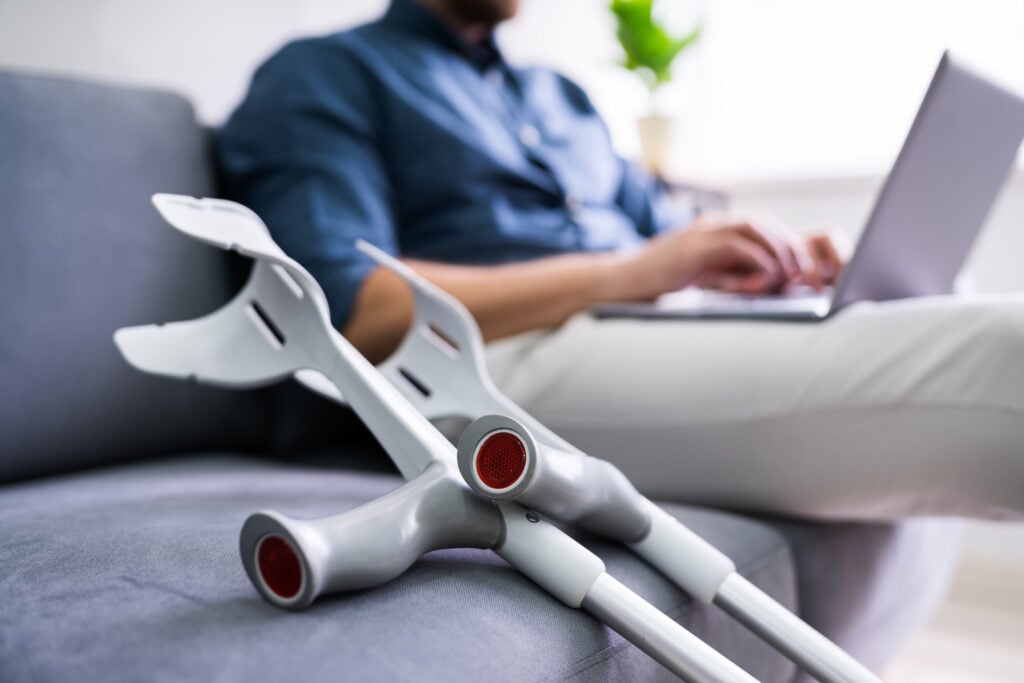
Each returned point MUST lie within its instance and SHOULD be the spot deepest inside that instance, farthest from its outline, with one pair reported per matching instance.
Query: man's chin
(489, 12)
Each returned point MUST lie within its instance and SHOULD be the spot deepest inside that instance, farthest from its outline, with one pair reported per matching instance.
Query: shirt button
(529, 136)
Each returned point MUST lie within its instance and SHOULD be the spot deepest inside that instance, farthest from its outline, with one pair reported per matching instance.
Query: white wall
(205, 50)
(208, 50)
(794, 88)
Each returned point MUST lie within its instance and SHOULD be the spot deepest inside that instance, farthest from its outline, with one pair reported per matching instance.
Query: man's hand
(830, 252)
(748, 255)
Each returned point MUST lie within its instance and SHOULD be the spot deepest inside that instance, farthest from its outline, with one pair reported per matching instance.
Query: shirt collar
(415, 18)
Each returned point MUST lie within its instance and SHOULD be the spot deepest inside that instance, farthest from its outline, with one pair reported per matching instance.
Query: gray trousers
(886, 410)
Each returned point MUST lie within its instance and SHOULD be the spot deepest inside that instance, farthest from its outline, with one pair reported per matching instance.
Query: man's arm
(508, 299)
(505, 299)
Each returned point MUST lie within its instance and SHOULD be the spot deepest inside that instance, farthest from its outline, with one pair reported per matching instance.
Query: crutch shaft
(819, 656)
(574, 488)
(577, 577)
(408, 437)
(675, 648)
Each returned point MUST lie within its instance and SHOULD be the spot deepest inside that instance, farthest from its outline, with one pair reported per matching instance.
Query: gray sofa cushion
(83, 254)
(133, 574)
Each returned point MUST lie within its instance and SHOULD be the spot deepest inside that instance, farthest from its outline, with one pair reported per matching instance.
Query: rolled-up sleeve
(302, 151)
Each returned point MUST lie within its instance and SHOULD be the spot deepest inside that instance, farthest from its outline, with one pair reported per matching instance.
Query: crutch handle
(291, 561)
(500, 459)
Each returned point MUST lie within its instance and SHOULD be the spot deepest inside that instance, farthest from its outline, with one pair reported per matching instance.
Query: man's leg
(913, 407)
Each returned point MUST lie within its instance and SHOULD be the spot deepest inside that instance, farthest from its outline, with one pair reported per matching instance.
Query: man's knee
(997, 344)
(990, 368)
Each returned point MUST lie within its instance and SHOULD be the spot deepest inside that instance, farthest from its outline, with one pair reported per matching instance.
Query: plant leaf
(647, 44)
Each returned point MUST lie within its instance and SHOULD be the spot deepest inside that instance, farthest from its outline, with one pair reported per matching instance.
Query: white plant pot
(657, 141)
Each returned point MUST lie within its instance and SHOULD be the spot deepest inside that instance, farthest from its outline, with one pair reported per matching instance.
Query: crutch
(278, 326)
(506, 454)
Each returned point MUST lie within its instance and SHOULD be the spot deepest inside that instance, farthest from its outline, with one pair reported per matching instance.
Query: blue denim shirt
(402, 134)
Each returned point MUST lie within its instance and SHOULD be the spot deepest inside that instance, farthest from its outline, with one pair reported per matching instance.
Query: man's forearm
(505, 300)
(733, 254)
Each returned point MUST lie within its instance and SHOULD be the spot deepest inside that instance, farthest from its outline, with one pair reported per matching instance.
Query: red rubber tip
(279, 567)
(501, 460)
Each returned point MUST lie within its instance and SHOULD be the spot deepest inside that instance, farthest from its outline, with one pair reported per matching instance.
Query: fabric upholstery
(85, 253)
(133, 574)
(870, 587)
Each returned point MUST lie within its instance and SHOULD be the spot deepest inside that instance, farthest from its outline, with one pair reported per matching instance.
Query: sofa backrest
(82, 253)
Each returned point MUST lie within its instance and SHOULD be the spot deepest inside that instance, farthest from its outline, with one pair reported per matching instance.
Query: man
(501, 186)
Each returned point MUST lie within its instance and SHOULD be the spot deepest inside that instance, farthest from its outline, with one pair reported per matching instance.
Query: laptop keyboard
(802, 299)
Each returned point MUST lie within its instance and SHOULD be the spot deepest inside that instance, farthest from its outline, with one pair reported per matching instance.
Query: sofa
(122, 495)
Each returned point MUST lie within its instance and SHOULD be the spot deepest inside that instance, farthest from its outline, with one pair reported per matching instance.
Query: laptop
(955, 159)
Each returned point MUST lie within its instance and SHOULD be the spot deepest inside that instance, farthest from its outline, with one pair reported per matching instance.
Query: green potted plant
(651, 50)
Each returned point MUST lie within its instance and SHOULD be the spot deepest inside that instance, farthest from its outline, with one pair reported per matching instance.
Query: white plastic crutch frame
(278, 326)
(439, 369)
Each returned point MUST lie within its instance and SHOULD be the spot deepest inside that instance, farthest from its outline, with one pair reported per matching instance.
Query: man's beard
(489, 12)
